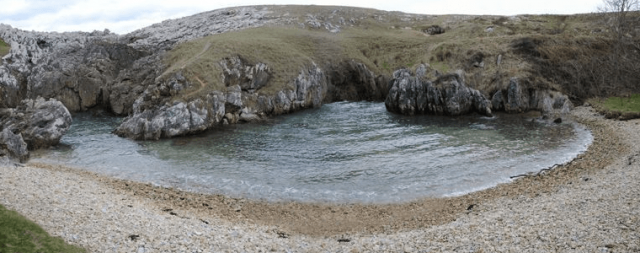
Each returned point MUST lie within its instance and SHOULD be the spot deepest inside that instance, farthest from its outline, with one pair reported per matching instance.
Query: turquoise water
(343, 152)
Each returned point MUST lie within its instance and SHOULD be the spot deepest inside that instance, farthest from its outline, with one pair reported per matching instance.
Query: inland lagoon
(343, 152)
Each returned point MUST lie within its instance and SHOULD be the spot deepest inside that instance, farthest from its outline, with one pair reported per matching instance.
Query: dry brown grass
(558, 52)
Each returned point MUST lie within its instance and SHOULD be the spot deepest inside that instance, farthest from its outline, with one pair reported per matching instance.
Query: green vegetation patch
(623, 104)
(4, 48)
(623, 108)
(17, 234)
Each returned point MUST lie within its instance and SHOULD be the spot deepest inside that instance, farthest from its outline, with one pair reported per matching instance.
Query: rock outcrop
(84, 70)
(12, 146)
(249, 78)
(175, 119)
(448, 95)
(70, 67)
(517, 99)
(127, 75)
(353, 81)
(156, 116)
(33, 124)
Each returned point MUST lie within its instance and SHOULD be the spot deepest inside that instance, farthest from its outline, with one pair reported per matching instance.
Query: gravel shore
(589, 205)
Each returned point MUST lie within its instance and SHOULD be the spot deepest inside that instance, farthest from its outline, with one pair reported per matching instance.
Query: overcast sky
(122, 16)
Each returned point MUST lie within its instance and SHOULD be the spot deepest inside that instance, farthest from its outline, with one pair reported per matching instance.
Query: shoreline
(296, 224)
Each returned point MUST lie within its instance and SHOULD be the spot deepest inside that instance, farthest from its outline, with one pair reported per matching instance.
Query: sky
(123, 16)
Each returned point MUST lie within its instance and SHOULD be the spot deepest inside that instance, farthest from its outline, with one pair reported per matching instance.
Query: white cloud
(13, 6)
(123, 16)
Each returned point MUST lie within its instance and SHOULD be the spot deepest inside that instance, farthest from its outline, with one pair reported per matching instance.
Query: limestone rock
(311, 87)
(83, 70)
(517, 99)
(34, 124)
(448, 95)
(353, 81)
(155, 116)
(249, 77)
(179, 118)
(76, 69)
(13, 146)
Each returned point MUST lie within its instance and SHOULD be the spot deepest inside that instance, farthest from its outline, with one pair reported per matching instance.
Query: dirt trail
(184, 62)
(202, 86)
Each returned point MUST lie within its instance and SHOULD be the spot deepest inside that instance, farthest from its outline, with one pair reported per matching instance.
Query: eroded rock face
(517, 99)
(79, 69)
(78, 76)
(448, 95)
(83, 70)
(175, 119)
(353, 81)
(37, 123)
(155, 116)
(249, 77)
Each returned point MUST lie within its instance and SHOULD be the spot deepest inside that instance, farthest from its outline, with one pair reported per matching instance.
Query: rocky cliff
(343, 54)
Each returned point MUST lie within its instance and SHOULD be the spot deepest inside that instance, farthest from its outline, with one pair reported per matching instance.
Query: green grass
(18, 234)
(620, 104)
(4, 48)
(384, 42)
(286, 50)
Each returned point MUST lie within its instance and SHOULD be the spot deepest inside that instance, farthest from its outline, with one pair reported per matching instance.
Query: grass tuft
(18, 234)
(4, 48)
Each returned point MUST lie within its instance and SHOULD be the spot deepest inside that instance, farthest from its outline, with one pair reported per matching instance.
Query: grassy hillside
(286, 50)
(546, 51)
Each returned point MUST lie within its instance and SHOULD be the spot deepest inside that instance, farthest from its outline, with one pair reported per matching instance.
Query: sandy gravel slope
(590, 205)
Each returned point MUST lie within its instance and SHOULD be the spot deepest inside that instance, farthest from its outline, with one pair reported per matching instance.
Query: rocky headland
(185, 76)
(245, 64)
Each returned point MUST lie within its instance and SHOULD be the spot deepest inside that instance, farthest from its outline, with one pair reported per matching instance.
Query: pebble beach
(591, 204)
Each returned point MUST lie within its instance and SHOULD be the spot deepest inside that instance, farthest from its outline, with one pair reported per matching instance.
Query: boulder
(434, 30)
(448, 95)
(517, 98)
(179, 118)
(13, 146)
(34, 124)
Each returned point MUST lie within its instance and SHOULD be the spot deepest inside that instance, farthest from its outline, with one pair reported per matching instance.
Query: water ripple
(342, 152)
